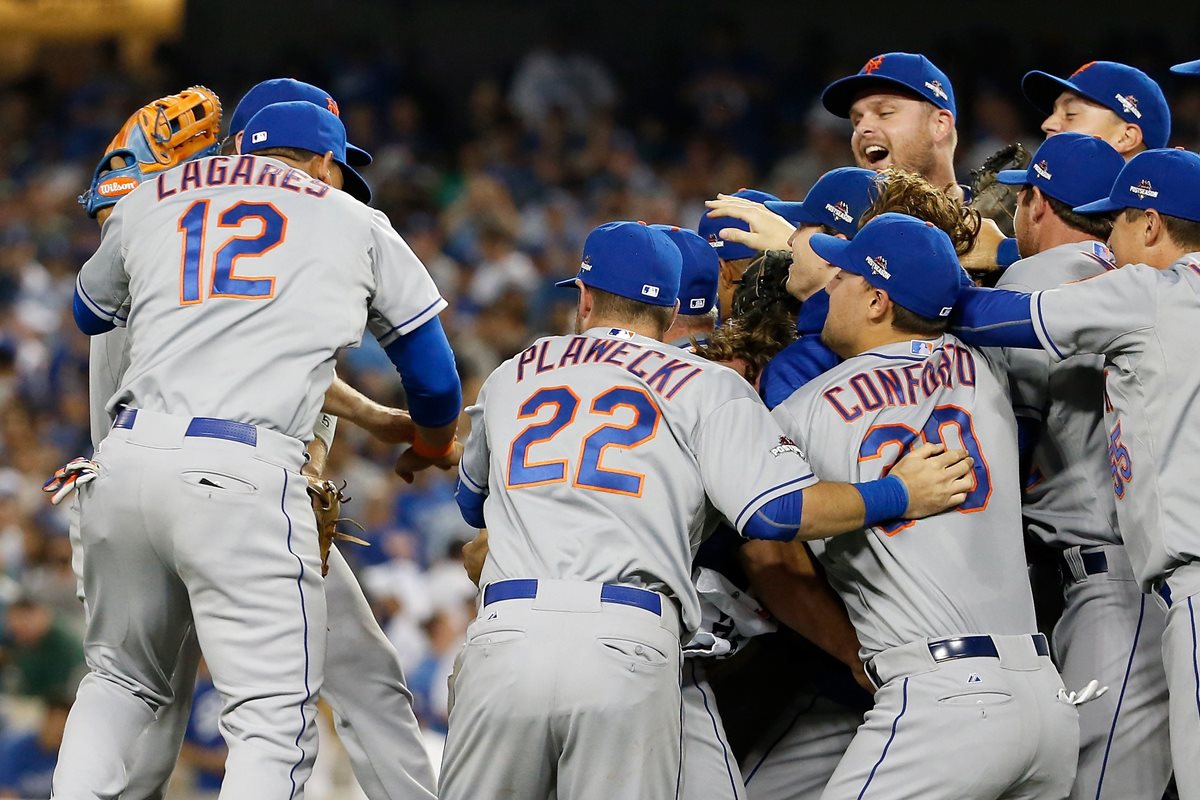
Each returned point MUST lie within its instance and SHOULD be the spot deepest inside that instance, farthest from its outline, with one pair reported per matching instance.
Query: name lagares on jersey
(237, 171)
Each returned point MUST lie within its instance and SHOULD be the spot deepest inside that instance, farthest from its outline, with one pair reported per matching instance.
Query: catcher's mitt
(992, 199)
(157, 137)
(327, 499)
(763, 286)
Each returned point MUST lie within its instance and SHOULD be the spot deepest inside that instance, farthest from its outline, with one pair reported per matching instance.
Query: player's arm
(474, 470)
(403, 315)
(788, 583)
(391, 425)
(102, 285)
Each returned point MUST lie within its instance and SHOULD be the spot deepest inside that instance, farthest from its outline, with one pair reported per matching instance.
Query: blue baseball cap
(1187, 68)
(284, 90)
(1164, 179)
(709, 227)
(909, 71)
(1070, 167)
(699, 274)
(910, 259)
(1126, 91)
(301, 124)
(838, 199)
(631, 260)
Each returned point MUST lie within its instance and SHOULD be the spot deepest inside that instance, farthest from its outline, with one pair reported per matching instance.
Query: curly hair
(908, 193)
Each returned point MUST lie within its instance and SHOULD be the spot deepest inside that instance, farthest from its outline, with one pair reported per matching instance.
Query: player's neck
(641, 328)
(685, 330)
(878, 336)
(1056, 233)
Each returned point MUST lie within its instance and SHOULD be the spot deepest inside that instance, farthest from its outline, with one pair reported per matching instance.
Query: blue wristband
(885, 499)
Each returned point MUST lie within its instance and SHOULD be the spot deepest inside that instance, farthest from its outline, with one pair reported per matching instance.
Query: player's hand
(1090, 692)
(474, 554)
(409, 463)
(936, 478)
(983, 256)
(768, 230)
(68, 478)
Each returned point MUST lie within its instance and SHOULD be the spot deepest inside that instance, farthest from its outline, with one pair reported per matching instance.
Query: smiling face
(893, 130)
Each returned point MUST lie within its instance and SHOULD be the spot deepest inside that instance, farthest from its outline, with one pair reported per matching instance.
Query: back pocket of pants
(975, 698)
(217, 483)
(632, 651)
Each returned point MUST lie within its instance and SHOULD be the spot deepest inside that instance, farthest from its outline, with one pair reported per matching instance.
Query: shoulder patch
(786, 445)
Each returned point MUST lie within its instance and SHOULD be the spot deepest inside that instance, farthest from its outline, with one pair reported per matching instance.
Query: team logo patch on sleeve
(786, 445)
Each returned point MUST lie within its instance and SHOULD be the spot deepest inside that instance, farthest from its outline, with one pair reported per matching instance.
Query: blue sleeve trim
(471, 483)
(470, 505)
(995, 318)
(426, 365)
(88, 320)
(411, 319)
(777, 519)
(1007, 254)
(1046, 333)
(737, 523)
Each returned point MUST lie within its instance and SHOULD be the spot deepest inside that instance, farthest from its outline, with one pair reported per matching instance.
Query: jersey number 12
(224, 283)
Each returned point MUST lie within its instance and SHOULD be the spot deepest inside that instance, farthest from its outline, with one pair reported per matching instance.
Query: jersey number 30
(943, 417)
(589, 474)
(224, 283)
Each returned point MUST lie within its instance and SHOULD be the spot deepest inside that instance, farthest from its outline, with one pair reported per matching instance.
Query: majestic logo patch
(1129, 103)
(974, 678)
(840, 210)
(696, 302)
(586, 264)
(786, 445)
(872, 65)
(1043, 170)
(920, 348)
(117, 187)
(260, 136)
(649, 291)
(1144, 189)
(878, 265)
(936, 88)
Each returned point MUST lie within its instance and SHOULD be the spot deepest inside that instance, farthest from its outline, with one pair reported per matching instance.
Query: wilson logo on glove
(117, 187)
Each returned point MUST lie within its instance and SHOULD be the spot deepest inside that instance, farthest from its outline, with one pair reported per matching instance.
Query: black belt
(1094, 563)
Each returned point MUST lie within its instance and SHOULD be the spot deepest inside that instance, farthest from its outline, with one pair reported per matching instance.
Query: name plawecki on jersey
(604, 456)
(961, 572)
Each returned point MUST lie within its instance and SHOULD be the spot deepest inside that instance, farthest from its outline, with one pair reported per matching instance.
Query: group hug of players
(867, 475)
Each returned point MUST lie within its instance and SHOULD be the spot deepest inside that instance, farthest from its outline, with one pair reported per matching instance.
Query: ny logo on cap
(1144, 189)
(696, 302)
(332, 106)
(840, 210)
(878, 265)
(1043, 170)
(586, 264)
(1081, 69)
(261, 136)
(936, 88)
(1129, 103)
(872, 65)
(649, 291)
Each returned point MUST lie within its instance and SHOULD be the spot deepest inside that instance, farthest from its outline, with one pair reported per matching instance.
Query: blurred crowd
(494, 190)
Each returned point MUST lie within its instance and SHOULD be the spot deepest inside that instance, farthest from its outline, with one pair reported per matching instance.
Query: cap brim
(1187, 68)
(356, 156)
(834, 250)
(569, 283)
(354, 185)
(1012, 177)
(1105, 206)
(840, 95)
(1042, 89)
(794, 213)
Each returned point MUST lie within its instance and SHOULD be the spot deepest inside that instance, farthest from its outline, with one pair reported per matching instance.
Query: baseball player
(1108, 630)
(593, 462)
(942, 606)
(364, 682)
(698, 282)
(903, 111)
(735, 258)
(1140, 318)
(189, 443)
(1120, 104)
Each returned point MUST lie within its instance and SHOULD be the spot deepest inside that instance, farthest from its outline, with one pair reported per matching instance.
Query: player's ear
(674, 316)
(585, 302)
(1129, 140)
(1154, 231)
(237, 142)
(880, 305)
(942, 124)
(1038, 203)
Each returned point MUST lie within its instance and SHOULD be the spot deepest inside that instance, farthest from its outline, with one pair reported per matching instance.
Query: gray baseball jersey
(254, 295)
(962, 572)
(603, 454)
(1061, 505)
(1142, 320)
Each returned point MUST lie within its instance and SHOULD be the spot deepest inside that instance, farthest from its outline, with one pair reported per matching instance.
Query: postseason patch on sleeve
(786, 445)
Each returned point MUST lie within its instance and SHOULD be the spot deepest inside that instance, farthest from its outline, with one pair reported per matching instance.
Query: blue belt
(526, 589)
(1094, 563)
(977, 647)
(208, 427)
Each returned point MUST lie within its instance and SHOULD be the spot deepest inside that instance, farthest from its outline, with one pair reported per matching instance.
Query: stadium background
(502, 133)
